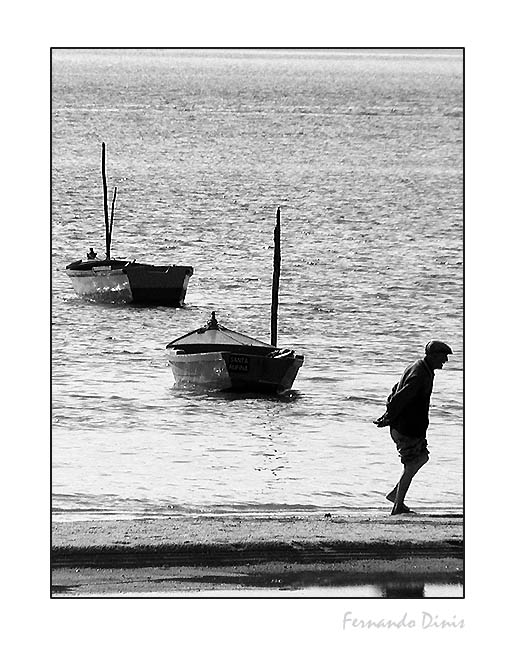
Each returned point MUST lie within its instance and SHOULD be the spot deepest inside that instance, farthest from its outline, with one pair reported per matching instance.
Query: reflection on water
(187, 391)
(398, 591)
(258, 580)
(329, 585)
(403, 590)
(222, 590)
(425, 590)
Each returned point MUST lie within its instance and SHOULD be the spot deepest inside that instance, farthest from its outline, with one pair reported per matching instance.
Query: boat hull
(235, 372)
(132, 283)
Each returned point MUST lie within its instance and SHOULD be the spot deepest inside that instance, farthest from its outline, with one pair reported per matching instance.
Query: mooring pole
(105, 205)
(112, 215)
(276, 280)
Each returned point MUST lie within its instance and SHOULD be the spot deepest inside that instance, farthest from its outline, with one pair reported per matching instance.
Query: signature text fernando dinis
(424, 621)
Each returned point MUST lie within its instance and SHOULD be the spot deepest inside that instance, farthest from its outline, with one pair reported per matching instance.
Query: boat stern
(264, 374)
(159, 285)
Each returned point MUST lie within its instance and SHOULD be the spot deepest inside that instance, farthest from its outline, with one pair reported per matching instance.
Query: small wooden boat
(217, 358)
(130, 282)
(119, 280)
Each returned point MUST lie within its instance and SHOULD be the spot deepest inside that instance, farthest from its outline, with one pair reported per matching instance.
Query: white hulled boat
(121, 280)
(215, 357)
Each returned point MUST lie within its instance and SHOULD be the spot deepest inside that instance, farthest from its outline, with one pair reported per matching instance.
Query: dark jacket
(408, 403)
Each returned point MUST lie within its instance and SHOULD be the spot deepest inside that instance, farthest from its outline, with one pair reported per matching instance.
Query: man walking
(407, 415)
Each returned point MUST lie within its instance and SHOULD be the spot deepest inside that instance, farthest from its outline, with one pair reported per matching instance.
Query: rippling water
(363, 152)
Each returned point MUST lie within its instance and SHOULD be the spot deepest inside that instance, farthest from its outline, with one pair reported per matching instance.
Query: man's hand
(382, 421)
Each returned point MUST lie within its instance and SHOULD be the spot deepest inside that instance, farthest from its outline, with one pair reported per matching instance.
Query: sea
(362, 150)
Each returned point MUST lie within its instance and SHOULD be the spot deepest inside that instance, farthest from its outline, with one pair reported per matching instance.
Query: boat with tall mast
(126, 281)
(217, 358)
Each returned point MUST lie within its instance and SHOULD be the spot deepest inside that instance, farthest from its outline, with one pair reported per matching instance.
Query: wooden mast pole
(276, 280)
(105, 205)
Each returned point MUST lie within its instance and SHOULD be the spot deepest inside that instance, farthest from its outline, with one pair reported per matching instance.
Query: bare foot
(401, 510)
(391, 497)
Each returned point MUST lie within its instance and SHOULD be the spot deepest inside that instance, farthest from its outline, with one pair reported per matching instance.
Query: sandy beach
(196, 555)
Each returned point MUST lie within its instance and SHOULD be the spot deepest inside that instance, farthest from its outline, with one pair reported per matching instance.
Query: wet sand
(287, 554)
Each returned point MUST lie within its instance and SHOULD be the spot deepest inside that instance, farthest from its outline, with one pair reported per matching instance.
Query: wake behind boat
(217, 358)
(128, 281)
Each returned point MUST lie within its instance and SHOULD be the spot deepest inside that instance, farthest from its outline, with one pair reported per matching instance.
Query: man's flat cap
(437, 346)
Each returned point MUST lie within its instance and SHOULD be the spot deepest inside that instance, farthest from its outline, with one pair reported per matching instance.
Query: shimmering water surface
(363, 152)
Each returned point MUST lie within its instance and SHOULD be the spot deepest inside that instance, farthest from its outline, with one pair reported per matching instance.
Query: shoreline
(217, 553)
